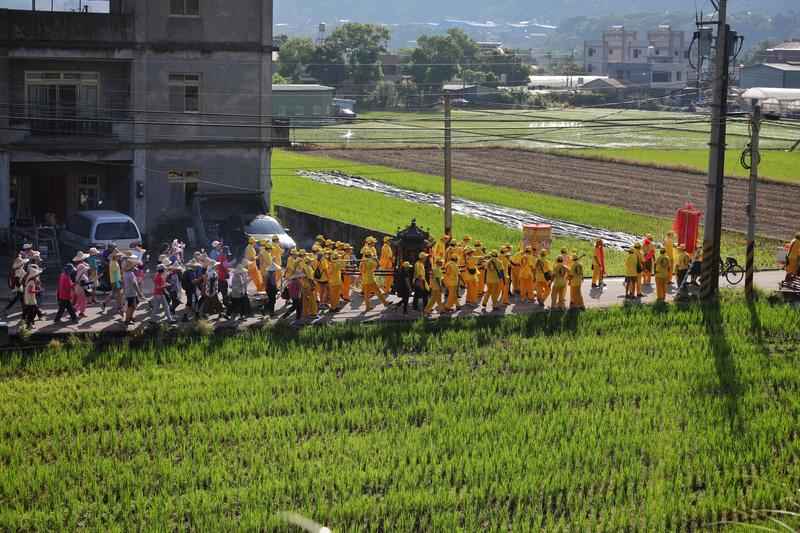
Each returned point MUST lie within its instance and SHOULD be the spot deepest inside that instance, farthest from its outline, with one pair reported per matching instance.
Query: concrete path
(110, 322)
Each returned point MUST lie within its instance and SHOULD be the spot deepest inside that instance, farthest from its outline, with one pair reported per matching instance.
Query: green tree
(277, 79)
(434, 61)
(279, 39)
(294, 56)
(327, 65)
(470, 51)
(757, 53)
(383, 96)
(362, 46)
(509, 64)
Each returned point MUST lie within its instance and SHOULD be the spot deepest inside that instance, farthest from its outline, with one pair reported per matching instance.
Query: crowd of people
(446, 276)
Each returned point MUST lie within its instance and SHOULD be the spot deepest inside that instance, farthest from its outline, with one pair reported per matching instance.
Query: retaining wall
(303, 227)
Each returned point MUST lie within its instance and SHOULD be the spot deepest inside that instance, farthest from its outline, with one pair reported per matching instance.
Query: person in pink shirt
(79, 299)
(64, 294)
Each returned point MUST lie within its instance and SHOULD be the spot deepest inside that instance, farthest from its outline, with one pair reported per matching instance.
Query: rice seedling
(642, 418)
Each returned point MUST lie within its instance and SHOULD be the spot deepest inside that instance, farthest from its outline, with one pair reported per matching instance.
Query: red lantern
(687, 227)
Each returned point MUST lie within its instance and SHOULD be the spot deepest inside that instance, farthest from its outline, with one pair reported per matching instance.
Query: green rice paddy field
(382, 213)
(544, 129)
(676, 418)
(776, 165)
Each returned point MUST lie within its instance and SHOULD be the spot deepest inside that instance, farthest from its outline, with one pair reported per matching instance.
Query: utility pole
(709, 277)
(755, 156)
(448, 170)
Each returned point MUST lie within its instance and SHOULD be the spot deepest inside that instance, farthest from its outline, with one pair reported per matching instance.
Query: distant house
(614, 88)
(560, 82)
(487, 47)
(390, 67)
(786, 52)
(469, 92)
(302, 103)
(619, 45)
(779, 75)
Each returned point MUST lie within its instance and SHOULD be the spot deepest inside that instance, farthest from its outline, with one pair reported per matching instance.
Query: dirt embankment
(631, 187)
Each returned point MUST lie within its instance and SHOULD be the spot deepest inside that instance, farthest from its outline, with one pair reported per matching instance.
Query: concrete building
(663, 45)
(777, 75)
(302, 103)
(786, 52)
(134, 109)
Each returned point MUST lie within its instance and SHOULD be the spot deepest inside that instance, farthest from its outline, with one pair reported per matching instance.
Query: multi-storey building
(134, 109)
(663, 45)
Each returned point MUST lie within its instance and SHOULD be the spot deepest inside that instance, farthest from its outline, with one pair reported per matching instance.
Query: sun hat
(69, 268)
(423, 255)
(214, 244)
(273, 267)
(276, 238)
(293, 251)
(212, 264)
(161, 267)
(347, 246)
(320, 238)
(370, 239)
(406, 264)
(34, 271)
(543, 252)
(226, 250)
(80, 256)
(494, 253)
(528, 249)
(27, 246)
(20, 261)
(162, 257)
(386, 238)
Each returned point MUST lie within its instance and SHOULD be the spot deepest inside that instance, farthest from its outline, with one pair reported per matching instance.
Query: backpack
(187, 281)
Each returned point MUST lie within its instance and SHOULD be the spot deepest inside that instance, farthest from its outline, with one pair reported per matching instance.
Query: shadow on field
(726, 369)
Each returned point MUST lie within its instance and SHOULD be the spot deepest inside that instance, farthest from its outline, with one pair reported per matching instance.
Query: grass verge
(380, 212)
(646, 418)
(776, 165)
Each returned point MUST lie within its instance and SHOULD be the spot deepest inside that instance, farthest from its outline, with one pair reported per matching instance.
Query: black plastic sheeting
(505, 216)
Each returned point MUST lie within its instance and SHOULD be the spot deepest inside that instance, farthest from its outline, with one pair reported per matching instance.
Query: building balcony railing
(59, 126)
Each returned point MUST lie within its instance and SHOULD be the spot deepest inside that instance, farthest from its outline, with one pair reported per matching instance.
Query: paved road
(108, 322)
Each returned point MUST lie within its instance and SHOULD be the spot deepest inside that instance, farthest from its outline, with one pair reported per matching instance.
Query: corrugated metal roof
(788, 45)
(762, 93)
(783, 66)
(301, 87)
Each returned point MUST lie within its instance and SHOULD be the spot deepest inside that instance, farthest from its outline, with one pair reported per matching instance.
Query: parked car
(98, 229)
(232, 217)
(265, 226)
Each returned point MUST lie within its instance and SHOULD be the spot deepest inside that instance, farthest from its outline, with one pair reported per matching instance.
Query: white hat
(19, 261)
(212, 264)
(34, 271)
(240, 269)
(215, 244)
(27, 246)
(80, 256)
(273, 267)
(93, 251)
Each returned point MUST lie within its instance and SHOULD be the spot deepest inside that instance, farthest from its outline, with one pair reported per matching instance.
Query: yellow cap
(454, 257)
(386, 238)
(268, 246)
(637, 245)
(564, 251)
(466, 238)
(320, 238)
(528, 249)
(423, 255)
(347, 246)
(406, 264)
(328, 242)
(543, 252)
(303, 253)
(440, 261)
(494, 253)
(292, 252)
(251, 240)
(682, 247)
(275, 238)
(315, 248)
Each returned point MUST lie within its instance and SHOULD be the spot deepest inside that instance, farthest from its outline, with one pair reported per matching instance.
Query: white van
(98, 229)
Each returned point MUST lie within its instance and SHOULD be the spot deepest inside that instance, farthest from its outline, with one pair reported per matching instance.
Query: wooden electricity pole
(448, 170)
(709, 276)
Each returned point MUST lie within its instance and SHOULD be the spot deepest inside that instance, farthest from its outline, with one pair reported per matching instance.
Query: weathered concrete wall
(304, 227)
(221, 169)
(66, 27)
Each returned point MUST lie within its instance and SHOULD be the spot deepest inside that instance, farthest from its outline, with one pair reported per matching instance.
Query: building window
(298, 110)
(676, 53)
(611, 51)
(317, 110)
(182, 186)
(661, 77)
(590, 68)
(61, 94)
(327, 110)
(88, 192)
(282, 110)
(184, 93)
(591, 52)
(636, 52)
(686, 54)
(678, 76)
(184, 8)
(658, 52)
